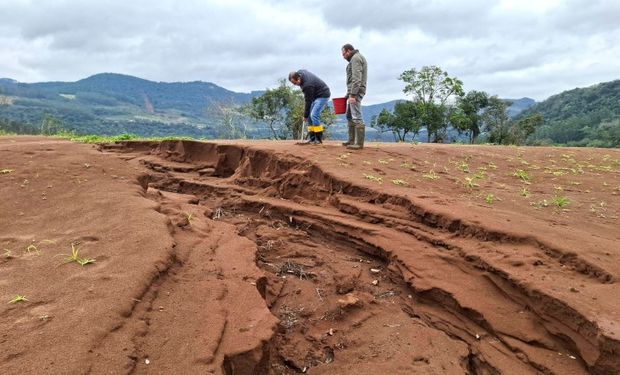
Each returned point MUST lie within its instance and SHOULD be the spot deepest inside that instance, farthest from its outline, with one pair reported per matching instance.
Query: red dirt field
(273, 258)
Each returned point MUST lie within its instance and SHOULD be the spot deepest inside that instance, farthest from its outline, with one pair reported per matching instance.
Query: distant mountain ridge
(110, 103)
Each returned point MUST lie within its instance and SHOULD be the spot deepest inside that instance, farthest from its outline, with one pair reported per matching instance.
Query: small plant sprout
(490, 198)
(32, 248)
(373, 178)
(525, 192)
(74, 257)
(492, 165)
(469, 182)
(464, 167)
(431, 175)
(7, 254)
(400, 182)
(521, 174)
(6, 171)
(382, 161)
(408, 165)
(560, 201)
(189, 217)
(18, 298)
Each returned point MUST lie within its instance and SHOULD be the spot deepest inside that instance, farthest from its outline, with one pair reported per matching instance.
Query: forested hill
(587, 116)
(602, 99)
(110, 103)
(117, 89)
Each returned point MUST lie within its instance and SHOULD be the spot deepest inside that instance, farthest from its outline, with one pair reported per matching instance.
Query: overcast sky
(512, 48)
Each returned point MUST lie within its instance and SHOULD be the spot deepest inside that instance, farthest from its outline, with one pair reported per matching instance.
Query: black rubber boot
(319, 137)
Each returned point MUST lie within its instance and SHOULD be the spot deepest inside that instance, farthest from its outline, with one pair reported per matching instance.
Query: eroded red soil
(271, 258)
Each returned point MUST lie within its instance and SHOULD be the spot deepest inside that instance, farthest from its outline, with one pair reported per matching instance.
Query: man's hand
(352, 99)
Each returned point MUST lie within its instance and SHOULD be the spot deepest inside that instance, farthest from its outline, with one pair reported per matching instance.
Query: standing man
(316, 95)
(357, 76)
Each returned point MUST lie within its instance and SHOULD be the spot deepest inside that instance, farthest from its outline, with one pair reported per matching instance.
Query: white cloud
(511, 48)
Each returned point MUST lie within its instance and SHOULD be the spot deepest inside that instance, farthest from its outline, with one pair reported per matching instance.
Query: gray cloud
(507, 47)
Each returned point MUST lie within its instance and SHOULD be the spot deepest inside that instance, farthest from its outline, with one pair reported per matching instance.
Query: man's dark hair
(294, 75)
(348, 47)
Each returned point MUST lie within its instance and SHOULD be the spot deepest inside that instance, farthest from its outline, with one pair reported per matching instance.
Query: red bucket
(340, 105)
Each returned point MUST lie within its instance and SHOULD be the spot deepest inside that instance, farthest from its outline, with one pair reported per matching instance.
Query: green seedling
(189, 218)
(6, 171)
(560, 201)
(479, 175)
(373, 178)
(464, 167)
(490, 198)
(408, 165)
(431, 175)
(8, 254)
(469, 182)
(381, 161)
(521, 174)
(400, 182)
(33, 249)
(525, 192)
(75, 257)
(18, 298)
(491, 165)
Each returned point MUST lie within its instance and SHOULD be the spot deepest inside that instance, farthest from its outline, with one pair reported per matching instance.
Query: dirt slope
(271, 258)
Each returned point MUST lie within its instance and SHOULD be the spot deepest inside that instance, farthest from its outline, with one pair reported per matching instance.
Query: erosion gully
(363, 281)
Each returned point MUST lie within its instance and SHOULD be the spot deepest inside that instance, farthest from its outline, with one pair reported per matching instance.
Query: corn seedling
(8, 254)
(18, 298)
(366, 162)
(560, 201)
(431, 175)
(525, 192)
(189, 217)
(491, 165)
(400, 182)
(33, 249)
(464, 167)
(469, 182)
(6, 171)
(74, 257)
(373, 178)
(479, 175)
(490, 198)
(522, 175)
(381, 161)
(408, 165)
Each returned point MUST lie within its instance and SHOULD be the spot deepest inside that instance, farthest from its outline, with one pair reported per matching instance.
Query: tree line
(438, 103)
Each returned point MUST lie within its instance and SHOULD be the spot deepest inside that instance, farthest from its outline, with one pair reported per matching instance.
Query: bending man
(316, 95)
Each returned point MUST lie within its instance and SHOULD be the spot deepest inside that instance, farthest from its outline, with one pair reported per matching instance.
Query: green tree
(272, 108)
(431, 88)
(497, 122)
(467, 114)
(282, 109)
(50, 125)
(403, 120)
(523, 128)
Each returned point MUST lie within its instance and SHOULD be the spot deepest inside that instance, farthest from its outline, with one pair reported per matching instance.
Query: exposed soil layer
(272, 258)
